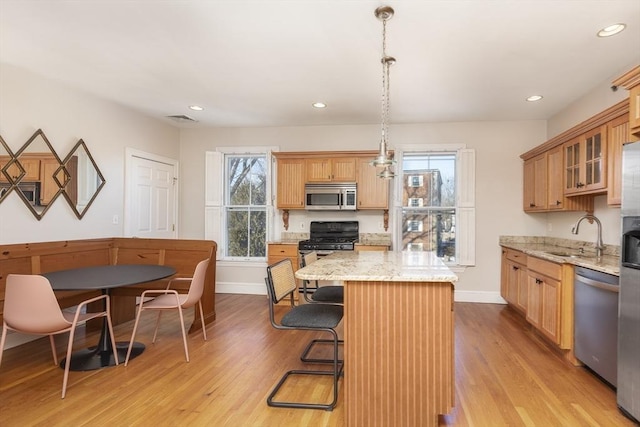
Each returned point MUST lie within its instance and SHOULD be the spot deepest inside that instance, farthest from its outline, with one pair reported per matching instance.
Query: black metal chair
(281, 283)
(330, 294)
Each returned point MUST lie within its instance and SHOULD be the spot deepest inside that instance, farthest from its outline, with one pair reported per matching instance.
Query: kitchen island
(398, 333)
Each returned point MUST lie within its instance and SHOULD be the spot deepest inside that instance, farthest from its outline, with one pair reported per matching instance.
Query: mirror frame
(11, 185)
(63, 167)
(16, 158)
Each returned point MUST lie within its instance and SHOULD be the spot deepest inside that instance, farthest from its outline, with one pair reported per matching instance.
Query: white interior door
(151, 195)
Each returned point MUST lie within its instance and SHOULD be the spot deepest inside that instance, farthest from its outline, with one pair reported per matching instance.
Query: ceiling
(263, 63)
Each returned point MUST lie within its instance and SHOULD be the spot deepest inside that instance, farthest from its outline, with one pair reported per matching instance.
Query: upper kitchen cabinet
(290, 183)
(566, 172)
(373, 192)
(631, 82)
(543, 189)
(340, 169)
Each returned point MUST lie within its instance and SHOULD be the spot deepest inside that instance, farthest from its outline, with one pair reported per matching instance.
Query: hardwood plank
(505, 376)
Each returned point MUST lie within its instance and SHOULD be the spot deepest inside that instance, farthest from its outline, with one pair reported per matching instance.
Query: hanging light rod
(383, 159)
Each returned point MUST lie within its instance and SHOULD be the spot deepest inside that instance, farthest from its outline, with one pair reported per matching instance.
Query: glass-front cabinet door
(585, 163)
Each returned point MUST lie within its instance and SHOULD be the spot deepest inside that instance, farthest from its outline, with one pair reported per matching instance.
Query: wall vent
(182, 118)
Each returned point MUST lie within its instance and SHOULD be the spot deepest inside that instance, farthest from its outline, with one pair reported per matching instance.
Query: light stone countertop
(547, 248)
(379, 266)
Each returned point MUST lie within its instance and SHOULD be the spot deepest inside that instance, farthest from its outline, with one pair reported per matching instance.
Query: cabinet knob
(558, 202)
(515, 268)
(538, 281)
(579, 185)
(532, 205)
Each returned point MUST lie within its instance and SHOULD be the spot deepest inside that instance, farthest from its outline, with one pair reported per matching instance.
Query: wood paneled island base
(398, 336)
(399, 365)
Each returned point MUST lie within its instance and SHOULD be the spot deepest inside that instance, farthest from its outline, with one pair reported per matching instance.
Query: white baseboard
(479, 297)
(241, 288)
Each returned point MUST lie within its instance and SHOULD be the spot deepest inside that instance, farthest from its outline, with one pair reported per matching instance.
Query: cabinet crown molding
(602, 118)
(629, 79)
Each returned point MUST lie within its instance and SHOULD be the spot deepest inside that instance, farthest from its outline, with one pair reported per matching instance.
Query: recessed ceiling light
(534, 98)
(196, 107)
(319, 105)
(611, 30)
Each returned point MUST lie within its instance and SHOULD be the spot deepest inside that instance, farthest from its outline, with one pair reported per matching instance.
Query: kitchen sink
(566, 254)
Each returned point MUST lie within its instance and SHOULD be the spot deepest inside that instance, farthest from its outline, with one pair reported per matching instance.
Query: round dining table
(104, 278)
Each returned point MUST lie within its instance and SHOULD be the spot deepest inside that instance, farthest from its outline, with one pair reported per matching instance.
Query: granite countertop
(565, 251)
(379, 266)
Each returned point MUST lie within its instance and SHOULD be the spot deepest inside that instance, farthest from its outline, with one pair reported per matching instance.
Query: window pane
(433, 230)
(246, 180)
(258, 233)
(237, 233)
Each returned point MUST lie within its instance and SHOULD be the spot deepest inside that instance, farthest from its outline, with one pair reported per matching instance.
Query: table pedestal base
(93, 358)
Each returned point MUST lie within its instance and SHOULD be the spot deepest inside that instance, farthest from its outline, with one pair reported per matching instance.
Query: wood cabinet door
(512, 282)
(3, 162)
(534, 300)
(550, 309)
(373, 192)
(572, 160)
(523, 289)
(318, 170)
(535, 184)
(555, 191)
(595, 155)
(343, 169)
(585, 162)
(617, 134)
(290, 184)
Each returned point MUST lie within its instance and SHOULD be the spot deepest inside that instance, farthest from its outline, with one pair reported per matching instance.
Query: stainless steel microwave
(330, 196)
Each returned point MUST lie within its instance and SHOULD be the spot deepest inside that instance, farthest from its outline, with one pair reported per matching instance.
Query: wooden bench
(183, 255)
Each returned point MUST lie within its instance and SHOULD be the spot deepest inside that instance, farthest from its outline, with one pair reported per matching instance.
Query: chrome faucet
(599, 245)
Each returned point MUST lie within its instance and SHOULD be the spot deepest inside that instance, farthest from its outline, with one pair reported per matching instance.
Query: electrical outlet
(549, 226)
(380, 226)
(115, 219)
(302, 226)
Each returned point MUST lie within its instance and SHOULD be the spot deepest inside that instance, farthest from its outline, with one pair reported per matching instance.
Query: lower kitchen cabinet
(543, 292)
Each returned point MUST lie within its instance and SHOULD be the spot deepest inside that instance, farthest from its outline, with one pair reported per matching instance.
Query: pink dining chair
(31, 307)
(170, 299)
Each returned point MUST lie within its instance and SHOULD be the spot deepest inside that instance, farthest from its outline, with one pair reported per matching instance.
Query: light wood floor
(505, 376)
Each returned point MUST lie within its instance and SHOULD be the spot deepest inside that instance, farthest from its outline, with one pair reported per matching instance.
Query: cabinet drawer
(282, 250)
(516, 256)
(546, 268)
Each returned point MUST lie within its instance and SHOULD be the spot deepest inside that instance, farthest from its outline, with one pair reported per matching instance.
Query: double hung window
(435, 203)
(245, 205)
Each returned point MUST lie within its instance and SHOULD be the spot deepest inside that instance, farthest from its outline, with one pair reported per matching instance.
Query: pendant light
(384, 160)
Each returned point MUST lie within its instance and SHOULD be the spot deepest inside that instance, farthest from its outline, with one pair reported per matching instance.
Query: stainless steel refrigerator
(629, 302)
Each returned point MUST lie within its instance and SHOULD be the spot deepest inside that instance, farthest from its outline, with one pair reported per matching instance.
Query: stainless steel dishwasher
(596, 322)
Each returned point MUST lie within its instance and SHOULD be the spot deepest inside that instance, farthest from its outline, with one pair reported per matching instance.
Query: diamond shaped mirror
(32, 174)
(6, 158)
(80, 178)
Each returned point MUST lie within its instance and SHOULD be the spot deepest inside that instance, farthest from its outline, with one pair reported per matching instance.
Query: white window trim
(465, 198)
(214, 195)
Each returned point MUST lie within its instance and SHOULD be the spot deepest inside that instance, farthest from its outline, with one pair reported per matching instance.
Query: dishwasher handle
(598, 284)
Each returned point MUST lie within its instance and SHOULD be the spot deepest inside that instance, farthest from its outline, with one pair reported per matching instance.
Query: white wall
(498, 169)
(29, 102)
